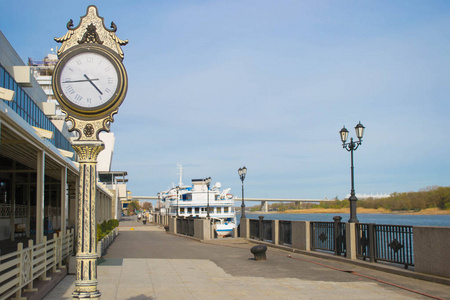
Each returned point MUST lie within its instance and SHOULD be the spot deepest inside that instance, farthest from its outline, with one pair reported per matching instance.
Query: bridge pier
(264, 206)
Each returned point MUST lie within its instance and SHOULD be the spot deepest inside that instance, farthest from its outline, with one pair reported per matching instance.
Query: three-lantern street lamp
(242, 171)
(208, 182)
(351, 146)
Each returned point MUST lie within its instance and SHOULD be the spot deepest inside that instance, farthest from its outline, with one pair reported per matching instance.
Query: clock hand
(82, 80)
(93, 84)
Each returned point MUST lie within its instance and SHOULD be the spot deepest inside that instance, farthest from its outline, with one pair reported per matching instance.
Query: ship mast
(180, 172)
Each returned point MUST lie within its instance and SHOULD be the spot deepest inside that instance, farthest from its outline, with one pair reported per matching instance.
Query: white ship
(193, 201)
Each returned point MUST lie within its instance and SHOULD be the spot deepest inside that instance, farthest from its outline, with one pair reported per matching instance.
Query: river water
(390, 219)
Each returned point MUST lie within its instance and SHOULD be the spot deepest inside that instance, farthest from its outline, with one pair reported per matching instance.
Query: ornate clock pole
(90, 83)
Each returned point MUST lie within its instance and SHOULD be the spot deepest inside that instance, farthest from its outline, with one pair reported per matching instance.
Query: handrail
(20, 268)
(391, 243)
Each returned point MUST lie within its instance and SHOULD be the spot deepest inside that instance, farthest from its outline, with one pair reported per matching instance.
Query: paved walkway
(145, 262)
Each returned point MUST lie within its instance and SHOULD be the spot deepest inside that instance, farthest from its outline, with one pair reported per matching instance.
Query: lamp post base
(353, 218)
(86, 295)
(86, 290)
(242, 211)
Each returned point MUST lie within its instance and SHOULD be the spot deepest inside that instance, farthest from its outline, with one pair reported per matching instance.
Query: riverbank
(360, 210)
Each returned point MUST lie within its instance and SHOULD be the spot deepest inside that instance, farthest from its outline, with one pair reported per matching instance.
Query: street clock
(90, 83)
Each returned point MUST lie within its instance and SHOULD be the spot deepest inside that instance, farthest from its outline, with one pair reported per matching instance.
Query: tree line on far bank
(430, 197)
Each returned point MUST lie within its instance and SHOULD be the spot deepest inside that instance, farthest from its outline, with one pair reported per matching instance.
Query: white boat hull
(225, 229)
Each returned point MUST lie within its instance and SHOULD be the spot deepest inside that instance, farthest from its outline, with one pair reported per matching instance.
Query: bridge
(264, 201)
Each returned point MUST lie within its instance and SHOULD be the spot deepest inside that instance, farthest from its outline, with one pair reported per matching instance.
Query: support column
(40, 188)
(73, 189)
(117, 215)
(351, 240)
(276, 232)
(13, 203)
(301, 235)
(101, 204)
(28, 198)
(245, 228)
(64, 200)
(264, 206)
(86, 280)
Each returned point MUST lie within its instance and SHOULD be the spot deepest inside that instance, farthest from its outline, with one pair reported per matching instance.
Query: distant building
(116, 182)
(42, 71)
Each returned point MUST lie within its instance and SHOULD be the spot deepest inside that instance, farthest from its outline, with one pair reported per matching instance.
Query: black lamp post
(178, 190)
(208, 182)
(351, 146)
(242, 171)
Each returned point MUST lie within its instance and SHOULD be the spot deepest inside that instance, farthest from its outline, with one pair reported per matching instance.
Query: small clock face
(89, 80)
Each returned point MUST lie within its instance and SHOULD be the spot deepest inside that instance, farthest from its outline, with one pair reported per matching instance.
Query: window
(25, 107)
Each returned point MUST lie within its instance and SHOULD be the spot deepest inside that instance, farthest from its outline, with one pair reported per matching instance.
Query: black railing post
(371, 237)
(313, 235)
(337, 235)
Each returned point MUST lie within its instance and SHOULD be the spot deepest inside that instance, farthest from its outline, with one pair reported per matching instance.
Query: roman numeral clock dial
(90, 80)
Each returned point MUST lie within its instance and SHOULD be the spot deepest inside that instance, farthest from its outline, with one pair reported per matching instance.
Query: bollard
(259, 251)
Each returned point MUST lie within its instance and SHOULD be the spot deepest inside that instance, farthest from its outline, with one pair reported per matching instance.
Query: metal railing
(6, 209)
(322, 236)
(261, 229)
(20, 268)
(185, 226)
(266, 234)
(390, 243)
(340, 238)
(254, 229)
(285, 233)
(328, 236)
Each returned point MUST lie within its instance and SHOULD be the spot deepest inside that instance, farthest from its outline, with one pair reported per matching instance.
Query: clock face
(89, 80)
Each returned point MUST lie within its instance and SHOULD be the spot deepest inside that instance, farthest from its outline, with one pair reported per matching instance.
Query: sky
(216, 85)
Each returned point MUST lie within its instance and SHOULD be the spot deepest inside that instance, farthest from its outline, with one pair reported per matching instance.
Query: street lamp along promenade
(208, 182)
(242, 171)
(178, 196)
(352, 146)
